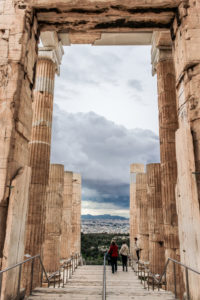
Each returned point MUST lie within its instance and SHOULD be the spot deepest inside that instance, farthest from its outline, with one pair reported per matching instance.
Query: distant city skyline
(105, 118)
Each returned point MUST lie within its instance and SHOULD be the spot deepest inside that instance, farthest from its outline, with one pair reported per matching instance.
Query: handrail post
(1, 275)
(32, 272)
(104, 278)
(41, 279)
(187, 284)
(175, 291)
(19, 282)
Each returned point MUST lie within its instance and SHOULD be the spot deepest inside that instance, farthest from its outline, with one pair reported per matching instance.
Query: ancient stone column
(18, 55)
(186, 43)
(164, 66)
(142, 214)
(76, 214)
(40, 144)
(54, 209)
(155, 217)
(66, 226)
(134, 220)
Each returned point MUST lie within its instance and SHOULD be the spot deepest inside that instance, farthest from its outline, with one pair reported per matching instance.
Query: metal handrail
(20, 271)
(71, 264)
(160, 282)
(104, 277)
(175, 262)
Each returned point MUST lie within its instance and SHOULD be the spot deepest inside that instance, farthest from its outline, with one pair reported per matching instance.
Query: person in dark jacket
(113, 251)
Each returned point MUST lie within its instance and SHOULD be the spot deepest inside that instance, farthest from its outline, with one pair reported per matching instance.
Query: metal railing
(175, 262)
(160, 280)
(104, 277)
(58, 278)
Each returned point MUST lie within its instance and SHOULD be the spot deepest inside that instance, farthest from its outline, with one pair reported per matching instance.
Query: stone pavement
(86, 284)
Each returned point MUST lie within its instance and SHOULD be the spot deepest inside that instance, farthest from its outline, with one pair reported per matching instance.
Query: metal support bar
(187, 284)
(19, 281)
(32, 271)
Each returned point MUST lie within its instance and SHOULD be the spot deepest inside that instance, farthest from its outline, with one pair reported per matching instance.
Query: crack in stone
(122, 23)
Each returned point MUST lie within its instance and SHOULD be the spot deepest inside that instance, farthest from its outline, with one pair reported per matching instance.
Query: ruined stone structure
(155, 217)
(102, 22)
(76, 214)
(54, 210)
(134, 217)
(66, 226)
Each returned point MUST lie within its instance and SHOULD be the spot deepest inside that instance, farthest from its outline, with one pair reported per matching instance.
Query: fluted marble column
(155, 217)
(134, 220)
(48, 64)
(54, 209)
(168, 123)
(142, 212)
(66, 235)
(76, 213)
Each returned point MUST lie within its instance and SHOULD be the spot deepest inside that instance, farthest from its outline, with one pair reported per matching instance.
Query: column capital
(161, 48)
(52, 48)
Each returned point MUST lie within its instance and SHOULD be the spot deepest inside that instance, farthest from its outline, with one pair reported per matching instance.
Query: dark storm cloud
(135, 84)
(102, 152)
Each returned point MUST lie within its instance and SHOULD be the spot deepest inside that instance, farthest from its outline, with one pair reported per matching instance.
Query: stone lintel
(161, 48)
(129, 38)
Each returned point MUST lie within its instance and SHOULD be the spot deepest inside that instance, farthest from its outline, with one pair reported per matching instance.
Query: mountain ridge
(102, 217)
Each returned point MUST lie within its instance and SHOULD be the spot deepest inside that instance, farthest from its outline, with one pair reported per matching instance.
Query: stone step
(86, 284)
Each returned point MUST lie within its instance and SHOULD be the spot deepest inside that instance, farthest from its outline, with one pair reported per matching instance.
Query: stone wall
(186, 42)
(18, 54)
(15, 231)
(18, 44)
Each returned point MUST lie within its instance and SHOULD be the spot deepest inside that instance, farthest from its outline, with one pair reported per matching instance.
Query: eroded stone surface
(86, 20)
(54, 208)
(18, 44)
(15, 231)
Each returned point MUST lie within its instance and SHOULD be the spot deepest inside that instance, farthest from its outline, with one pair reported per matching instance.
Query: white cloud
(115, 82)
(92, 208)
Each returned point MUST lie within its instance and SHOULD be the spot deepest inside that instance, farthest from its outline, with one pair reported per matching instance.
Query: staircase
(86, 284)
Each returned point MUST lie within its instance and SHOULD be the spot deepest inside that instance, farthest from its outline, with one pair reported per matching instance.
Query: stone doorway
(175, 26)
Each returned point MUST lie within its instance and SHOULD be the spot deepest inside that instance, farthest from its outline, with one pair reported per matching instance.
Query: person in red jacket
(113, 251)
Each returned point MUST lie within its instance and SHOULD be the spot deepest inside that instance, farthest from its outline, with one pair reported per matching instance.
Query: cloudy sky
(105, 118)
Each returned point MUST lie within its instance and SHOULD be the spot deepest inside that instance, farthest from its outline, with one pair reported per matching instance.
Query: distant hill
(102, 217)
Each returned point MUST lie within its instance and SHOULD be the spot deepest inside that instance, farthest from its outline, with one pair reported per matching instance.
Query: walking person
(124, 251)
(113, 251)
(137, 248)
